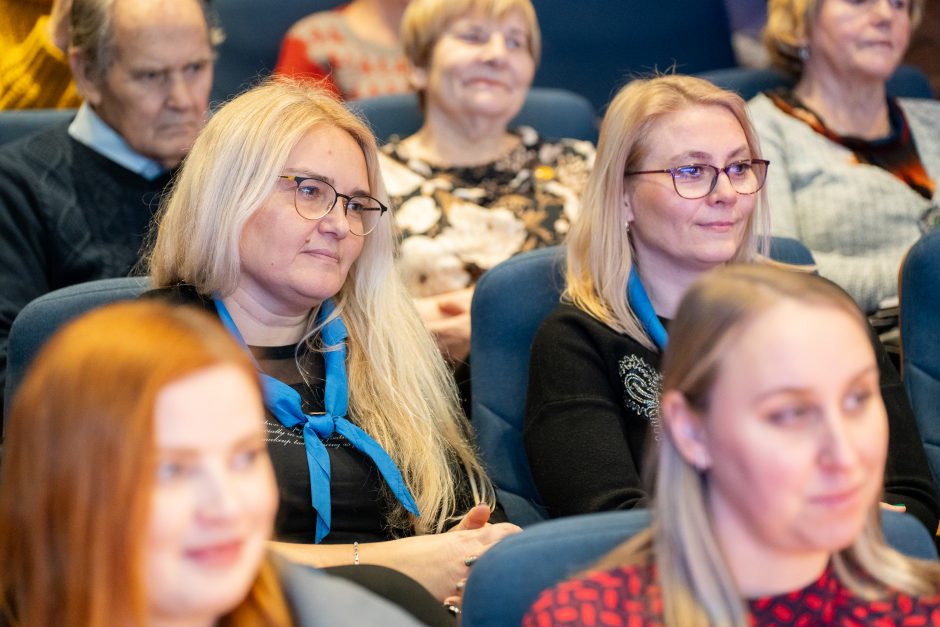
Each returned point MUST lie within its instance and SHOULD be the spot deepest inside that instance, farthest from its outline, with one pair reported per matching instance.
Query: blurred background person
(276, 224)
(76, 200)
(469, 191)
(140, 492)
(855, 171)
(34, 62)
(770, 463)
(676, 192)
(353, 50)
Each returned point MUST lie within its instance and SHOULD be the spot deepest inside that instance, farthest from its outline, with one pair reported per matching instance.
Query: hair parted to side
(92, 32)
(599, 248)
(78, 466)
(400, 390)
(697, 585)
(789, 23)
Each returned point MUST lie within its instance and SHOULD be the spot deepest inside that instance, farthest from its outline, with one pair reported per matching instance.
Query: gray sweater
(858, 219)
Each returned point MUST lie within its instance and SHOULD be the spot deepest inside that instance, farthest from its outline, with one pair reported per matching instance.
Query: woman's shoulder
(550, 150)
(766, 115)
(316, 25)
(179, 294)
(924, 116)
(569, 316)
(629, 592)
(569, 330)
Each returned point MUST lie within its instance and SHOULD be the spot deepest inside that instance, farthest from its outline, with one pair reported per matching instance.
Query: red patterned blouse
(631, 597)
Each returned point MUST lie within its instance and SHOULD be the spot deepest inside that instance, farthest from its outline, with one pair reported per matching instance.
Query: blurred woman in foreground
(769, 473)
(136, 487)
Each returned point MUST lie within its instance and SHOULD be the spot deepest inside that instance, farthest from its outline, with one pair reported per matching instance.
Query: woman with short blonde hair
(470, 190)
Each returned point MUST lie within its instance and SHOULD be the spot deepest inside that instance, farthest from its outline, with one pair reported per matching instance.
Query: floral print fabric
(456, 223)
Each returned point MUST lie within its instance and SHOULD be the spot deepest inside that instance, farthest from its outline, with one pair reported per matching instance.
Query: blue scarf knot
(284, 402)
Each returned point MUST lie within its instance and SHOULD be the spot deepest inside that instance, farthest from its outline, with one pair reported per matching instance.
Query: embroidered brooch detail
(642, 387)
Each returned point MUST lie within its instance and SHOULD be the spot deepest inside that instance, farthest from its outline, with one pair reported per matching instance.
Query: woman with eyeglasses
(855, 170)
(770, 461)
(676, 191)
(277, 225)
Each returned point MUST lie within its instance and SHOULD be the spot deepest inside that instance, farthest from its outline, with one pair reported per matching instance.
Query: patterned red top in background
(630, 597)
(322, 47)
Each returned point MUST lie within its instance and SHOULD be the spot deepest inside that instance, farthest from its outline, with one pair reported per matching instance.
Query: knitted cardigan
(858, 220)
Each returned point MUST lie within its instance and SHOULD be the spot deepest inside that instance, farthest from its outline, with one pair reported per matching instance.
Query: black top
(67, 215)
(594, 394)
(360, 499)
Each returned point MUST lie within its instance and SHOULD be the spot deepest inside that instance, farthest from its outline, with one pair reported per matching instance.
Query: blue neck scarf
(640, 303)
(284, 402)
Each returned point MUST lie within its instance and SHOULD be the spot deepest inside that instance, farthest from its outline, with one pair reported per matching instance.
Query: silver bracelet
(355, 553)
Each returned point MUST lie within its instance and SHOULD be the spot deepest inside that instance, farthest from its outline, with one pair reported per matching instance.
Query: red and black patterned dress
(631, 597)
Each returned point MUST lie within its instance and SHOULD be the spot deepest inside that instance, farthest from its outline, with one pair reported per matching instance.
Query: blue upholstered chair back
(554, 113)
(509, 304)
(508, 578)
(920, 341)
(16, 124)
(592, 47)
(907, 82)
(42, 317)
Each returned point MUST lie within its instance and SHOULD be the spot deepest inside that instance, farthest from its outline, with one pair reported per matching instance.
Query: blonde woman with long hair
(277, 225)
(770, 463)
(677, 190)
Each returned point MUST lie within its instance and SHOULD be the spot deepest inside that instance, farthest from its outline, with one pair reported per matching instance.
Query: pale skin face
(290, 264)
(155, 94)
(675, 238)
(214, 497)
(793, 443)
(480, 67)
(858, 39)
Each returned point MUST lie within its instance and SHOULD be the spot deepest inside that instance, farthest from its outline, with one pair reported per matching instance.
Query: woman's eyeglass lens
(314, 199)
(700, 179)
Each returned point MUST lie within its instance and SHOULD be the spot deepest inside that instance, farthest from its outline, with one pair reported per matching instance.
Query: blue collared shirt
(89, 129)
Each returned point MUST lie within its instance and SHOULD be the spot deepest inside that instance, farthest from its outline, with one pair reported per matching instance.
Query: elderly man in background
(76, 199)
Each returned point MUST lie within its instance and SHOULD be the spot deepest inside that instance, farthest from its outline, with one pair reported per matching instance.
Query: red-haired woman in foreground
(136, 487)
(771, 458)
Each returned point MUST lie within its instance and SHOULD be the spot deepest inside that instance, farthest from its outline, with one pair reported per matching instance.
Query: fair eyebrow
(310, 174)
(186, 453)
(706, 157)
(796, 391)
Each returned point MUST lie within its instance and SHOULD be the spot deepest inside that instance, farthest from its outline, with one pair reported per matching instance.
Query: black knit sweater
(67, 215)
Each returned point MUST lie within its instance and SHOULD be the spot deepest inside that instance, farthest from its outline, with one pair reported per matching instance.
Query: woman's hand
(893, 508)
(438, 561)
(447, 316)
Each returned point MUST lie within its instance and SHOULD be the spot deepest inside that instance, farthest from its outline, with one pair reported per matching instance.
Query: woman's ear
(684, 424)
(417, 77)
(627, 206)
